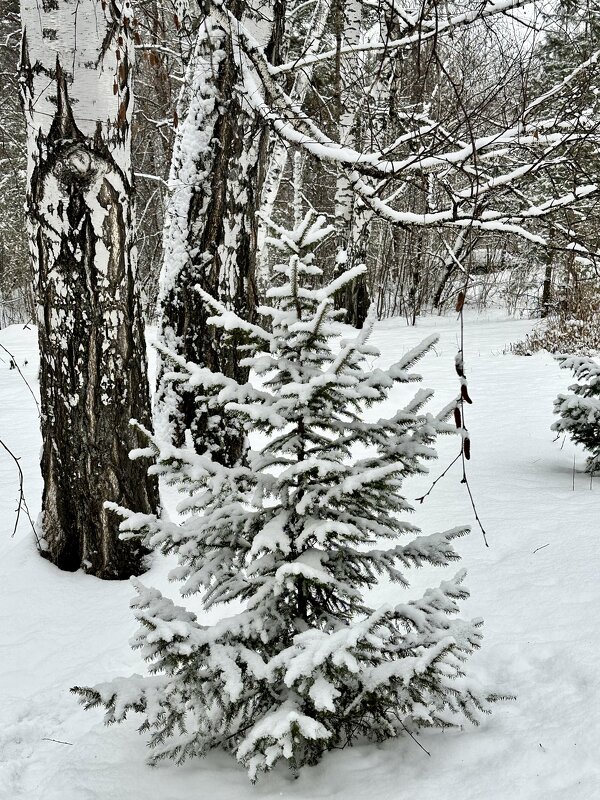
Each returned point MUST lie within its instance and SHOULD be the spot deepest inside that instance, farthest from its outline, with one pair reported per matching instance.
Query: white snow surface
(537, 587)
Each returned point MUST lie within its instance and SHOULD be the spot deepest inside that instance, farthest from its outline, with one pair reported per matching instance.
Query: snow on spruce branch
(579, 411)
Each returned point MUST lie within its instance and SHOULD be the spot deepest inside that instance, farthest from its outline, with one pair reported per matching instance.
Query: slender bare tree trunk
(278, 154)
(77, 100)
(351, 233)
(547, 286)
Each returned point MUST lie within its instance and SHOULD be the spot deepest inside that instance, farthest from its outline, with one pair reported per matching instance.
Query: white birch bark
(349, 71)
(279, 151)
(351, 227)
(77, 99)
(90, 40)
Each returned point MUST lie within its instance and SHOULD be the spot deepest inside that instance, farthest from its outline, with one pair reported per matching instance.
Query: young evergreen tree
(295, 538)
(579, 411)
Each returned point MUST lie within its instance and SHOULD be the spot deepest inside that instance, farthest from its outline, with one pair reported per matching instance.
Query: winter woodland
(286, 287)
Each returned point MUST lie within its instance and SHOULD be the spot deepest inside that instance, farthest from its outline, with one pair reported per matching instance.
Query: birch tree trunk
(15, 281)
(77, 99)
(211, 240)
(278, 154)
(351, 242)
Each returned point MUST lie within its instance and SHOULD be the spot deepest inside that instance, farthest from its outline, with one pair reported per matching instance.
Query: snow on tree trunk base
(79, 205)
(296, 535)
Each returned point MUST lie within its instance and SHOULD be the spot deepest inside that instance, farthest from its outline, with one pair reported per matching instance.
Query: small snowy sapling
(291, 540)
(579, 411)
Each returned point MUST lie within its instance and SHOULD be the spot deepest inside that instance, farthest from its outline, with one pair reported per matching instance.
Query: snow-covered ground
(537, 586)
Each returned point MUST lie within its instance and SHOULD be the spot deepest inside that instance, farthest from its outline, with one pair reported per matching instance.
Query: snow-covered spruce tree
(579, 411)
(76, 91)
(296, 538)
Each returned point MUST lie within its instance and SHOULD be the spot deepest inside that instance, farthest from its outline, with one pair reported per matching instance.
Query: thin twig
(465, 480)
(439, 478)
(22, 503)
(542, 547)
(415, 740)
(58, 741)
(14, 361)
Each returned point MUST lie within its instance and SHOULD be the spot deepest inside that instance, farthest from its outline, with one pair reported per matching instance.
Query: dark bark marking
(92, 372)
